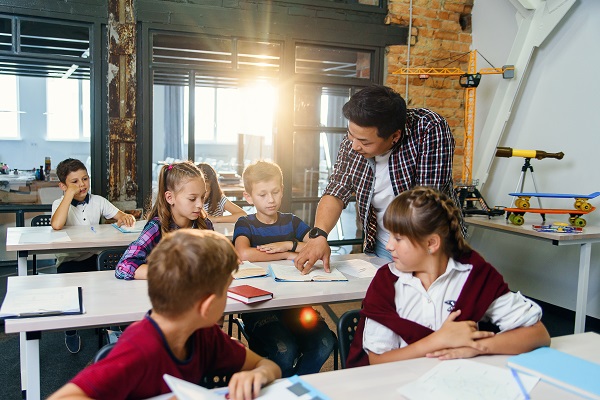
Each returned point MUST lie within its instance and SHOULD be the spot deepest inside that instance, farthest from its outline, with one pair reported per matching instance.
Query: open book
(42, 302)
(249, 270)
(289, 273)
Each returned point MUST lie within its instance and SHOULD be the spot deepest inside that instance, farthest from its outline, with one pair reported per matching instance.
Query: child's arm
(59, 217)
(256, 373)
(249, 253)
(515, 341)
(293, 246)
(236, 212)
(69, 391)
(124, 219)
(452, 334)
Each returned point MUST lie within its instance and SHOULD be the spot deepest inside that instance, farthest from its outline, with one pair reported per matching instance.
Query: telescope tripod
(519, 189)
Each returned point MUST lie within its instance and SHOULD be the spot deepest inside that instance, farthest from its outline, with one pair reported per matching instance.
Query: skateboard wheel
(578, 204)
(511, 217)
(580, 222)
(585, 206)
(523, 204)
(572, 220)
(518, 220)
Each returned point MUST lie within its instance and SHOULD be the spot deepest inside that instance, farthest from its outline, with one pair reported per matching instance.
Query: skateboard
(516, 215)
(581, 200)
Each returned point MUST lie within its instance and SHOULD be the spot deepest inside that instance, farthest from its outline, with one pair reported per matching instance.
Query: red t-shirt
(134, 368)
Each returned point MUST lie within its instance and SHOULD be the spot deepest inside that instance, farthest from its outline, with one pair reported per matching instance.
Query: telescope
(539, 154)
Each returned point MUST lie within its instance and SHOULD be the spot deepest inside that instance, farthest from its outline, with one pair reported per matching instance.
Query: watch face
(316, 232)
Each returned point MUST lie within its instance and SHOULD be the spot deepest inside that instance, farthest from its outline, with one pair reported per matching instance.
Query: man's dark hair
(378, 106)
(65, 167)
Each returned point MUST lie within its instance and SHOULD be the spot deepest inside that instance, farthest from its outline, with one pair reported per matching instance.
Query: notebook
(248, 294)
(249, 270)
(289, 273)
(43, 302)
(136, 228)
(561, 369)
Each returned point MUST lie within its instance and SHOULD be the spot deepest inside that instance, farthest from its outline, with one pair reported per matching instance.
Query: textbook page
(249, 270)
(289, 273)
(467, 380)
(356, 268)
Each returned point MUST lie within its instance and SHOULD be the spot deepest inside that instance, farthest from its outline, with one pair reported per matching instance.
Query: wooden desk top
(382, 381)
(83, 237)
(589, 234)
(108, 300)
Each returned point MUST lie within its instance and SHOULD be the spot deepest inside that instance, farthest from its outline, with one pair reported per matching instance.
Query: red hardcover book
(248, 294)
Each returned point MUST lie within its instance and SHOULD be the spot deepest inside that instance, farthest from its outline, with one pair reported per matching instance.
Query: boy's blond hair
(261, 171)
(186, 266)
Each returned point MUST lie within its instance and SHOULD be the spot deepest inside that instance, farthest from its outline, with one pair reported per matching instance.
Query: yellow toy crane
(469, 80)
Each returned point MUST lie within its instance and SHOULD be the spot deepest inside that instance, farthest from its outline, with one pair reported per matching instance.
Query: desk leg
(30, 382)
(22, 263)
(585, 256)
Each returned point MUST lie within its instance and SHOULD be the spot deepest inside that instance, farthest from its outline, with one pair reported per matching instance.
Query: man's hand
(315, 249)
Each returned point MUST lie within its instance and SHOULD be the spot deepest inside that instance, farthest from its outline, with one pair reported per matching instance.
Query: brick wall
(441, 31)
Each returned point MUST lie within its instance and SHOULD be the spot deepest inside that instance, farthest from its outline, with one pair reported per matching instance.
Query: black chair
(39, 220)
(103, 352)
(346, 329)
(108, 259)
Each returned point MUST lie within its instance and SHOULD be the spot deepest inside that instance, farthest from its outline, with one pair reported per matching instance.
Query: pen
(92, 228)
(520, 384)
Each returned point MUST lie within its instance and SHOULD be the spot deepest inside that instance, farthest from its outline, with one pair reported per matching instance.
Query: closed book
(248, 294)
(42, 302)
(561, 369)
(136, 228)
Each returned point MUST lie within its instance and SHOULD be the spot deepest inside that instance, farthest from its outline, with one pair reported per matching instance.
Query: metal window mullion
(192, 116)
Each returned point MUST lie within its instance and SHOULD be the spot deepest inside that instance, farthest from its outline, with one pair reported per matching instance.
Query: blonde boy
(270, 235)
(189, 272)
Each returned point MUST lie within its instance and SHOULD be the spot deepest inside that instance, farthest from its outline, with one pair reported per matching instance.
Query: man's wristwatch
(316, 232)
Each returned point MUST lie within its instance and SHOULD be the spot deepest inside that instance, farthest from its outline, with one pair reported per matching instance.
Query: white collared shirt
(431, 307)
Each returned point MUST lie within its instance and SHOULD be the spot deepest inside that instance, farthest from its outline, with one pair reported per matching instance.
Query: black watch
(316, 232)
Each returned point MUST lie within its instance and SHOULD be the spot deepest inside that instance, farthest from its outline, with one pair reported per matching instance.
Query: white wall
(557, 111)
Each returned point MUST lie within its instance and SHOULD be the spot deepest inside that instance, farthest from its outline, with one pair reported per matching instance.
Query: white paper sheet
(356, 268)
(44, 237)
(466, 380)
(44, 301)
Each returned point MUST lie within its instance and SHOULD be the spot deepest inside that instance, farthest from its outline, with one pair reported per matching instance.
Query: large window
(9, 107)
(68, 109)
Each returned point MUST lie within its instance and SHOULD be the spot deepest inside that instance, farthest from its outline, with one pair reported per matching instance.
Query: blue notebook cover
(561, 369)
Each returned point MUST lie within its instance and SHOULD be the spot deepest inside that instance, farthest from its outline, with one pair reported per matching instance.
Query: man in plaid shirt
(388, 149)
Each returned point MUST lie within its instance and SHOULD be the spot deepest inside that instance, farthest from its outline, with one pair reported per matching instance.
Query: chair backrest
(215, 381)
(346, 329)
(103, 352)
(41, 220)
(108, 259)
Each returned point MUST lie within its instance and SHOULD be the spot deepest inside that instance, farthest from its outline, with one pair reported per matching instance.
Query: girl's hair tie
(169, 167)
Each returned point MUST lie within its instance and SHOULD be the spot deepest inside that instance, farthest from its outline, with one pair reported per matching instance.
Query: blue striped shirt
(287, 227)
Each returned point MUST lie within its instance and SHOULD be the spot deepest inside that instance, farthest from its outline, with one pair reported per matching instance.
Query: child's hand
(276, 247)
(71, 190)
(246, 385)
(454, 334)
(458, 352)
(125, 219)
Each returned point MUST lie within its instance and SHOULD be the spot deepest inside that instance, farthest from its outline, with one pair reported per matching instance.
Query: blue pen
(93, 230)
(520, 383)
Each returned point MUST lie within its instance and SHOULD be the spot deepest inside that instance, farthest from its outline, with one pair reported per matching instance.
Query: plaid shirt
(138, 251)
(422, 157)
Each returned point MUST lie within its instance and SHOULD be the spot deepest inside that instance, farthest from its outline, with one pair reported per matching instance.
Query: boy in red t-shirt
(189, 272)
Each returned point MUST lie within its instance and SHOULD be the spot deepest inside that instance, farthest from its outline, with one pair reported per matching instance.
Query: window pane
(320, 106)
(192, 50)
(259, 56)
(5, 34)
(329, 61)
(54, 38)
(205, 114)
(9, 107)
(169, 124)
(62, 105)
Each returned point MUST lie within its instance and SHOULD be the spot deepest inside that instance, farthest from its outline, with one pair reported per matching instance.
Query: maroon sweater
(482, 287)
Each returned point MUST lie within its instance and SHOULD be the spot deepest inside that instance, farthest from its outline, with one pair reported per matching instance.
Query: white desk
(584, 240)
(109, 301)
(381, 381)
(104, 236)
